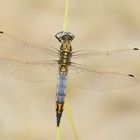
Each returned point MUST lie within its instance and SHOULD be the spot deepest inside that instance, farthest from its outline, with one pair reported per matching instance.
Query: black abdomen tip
(136, 49)
(131, 75)
(1, 32)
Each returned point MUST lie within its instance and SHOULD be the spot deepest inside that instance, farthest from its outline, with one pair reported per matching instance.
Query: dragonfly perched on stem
(41, 63)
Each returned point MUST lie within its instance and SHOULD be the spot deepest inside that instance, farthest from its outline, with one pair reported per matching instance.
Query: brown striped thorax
(64, 61)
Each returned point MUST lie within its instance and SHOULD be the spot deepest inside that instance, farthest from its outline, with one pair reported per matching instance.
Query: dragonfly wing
(14, 47)
(107, 59)
(92, 79)
(31, 71)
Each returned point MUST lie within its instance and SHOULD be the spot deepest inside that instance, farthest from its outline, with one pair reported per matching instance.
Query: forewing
(13, 47)
(107, 59)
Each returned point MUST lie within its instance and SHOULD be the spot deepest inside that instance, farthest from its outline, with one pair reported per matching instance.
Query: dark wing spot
(136, 49)
(1, 32)
(131, 75)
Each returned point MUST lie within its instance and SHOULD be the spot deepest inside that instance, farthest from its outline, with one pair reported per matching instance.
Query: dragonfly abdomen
(61, 86)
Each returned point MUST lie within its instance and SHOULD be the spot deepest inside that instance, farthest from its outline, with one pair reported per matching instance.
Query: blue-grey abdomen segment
(61, 86)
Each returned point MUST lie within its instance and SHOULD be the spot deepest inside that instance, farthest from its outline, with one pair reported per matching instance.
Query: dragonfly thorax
(65, 57)
(66, 47)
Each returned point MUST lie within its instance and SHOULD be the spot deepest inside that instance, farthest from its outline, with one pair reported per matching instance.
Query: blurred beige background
(27, 111)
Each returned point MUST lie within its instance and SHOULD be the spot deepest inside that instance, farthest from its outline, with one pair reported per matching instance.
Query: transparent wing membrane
(27, 61)
(13, 47)
(107, 59)
(39, 63)
(89, 53)
(34, 71)
(92, 79)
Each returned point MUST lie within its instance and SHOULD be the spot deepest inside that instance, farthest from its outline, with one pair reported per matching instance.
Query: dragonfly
(34, 62)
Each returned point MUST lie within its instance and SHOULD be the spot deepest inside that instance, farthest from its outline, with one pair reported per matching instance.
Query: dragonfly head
(64, 36)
